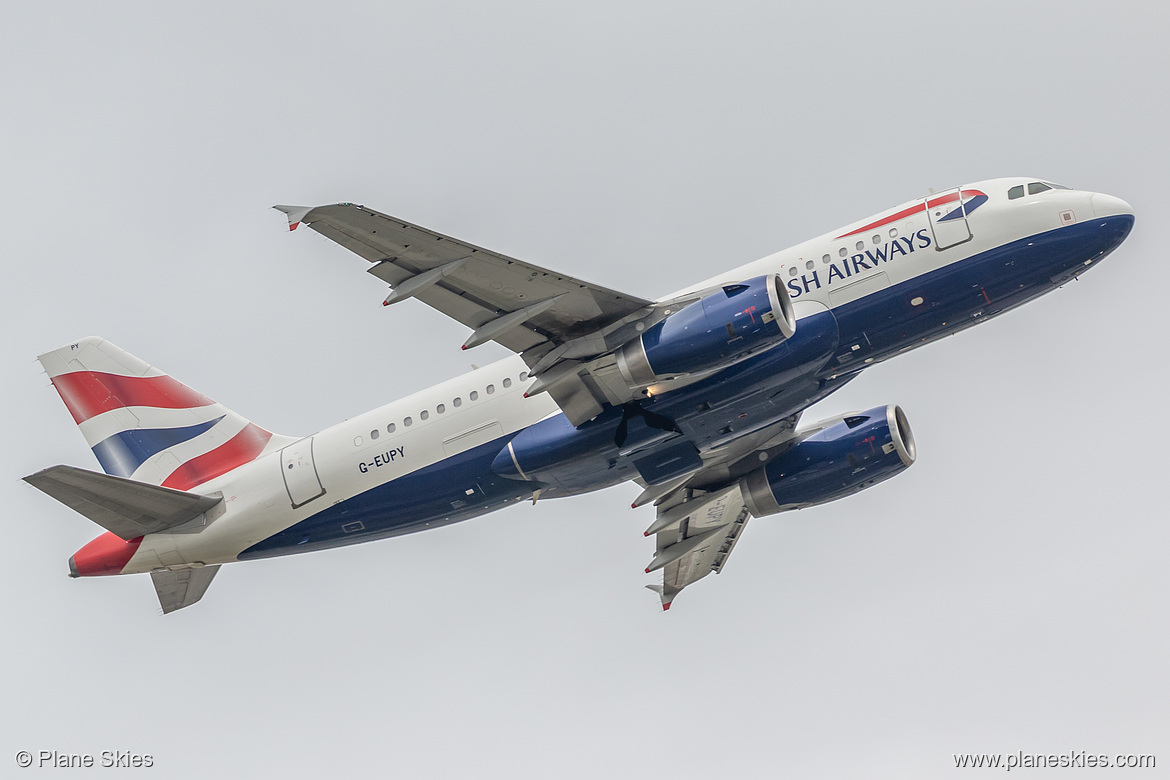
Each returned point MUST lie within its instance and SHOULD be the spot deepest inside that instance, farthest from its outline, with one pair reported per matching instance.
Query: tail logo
(145, 425)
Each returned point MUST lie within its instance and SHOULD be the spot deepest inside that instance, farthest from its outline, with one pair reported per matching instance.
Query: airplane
(697, 396)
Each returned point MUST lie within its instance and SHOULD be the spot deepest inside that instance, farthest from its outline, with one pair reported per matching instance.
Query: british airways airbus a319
(696, 396)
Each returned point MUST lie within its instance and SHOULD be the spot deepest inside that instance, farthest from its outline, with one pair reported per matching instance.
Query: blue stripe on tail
(122, 453)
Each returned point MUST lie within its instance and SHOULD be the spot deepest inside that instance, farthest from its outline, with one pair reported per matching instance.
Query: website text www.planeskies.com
(1073, 759)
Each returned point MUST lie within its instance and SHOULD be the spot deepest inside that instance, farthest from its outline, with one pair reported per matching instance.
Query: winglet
(295, 214)
(666, 596)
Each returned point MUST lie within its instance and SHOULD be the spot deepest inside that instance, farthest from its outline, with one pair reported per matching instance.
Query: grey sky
(1007, 593)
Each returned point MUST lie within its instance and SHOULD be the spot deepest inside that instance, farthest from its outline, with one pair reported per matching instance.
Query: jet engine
(712, 333)
(840, 460)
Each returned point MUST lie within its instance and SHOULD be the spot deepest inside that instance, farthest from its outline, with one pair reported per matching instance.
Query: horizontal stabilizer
(127, 508)
(182, 588)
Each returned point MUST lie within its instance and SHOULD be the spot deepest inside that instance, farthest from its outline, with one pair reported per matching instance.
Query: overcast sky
(1008, 593)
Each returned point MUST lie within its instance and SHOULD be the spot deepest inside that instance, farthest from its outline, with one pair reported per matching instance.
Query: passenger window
(408, 422)
(877, 240)
(843, 252)
(491, 389)
(792, 271)
(424, 414)
(860, 246)
(808, 265)
(826, 258)
(507, 381)
(375, 433)
(523, 376)
(390, 428)
(457, 402)
(1016, 192)
(1037, 186)
(440, 408)
(474, 396)
(893, 232)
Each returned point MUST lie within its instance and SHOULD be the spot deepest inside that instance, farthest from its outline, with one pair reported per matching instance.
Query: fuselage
(862, 294)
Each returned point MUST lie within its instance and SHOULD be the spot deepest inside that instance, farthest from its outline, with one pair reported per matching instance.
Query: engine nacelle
(862, 450)
(714, 332)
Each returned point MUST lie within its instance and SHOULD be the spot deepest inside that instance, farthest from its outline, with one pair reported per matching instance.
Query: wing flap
(123, 506)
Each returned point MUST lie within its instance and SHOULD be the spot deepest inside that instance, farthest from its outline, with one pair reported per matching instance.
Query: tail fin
(146, 426)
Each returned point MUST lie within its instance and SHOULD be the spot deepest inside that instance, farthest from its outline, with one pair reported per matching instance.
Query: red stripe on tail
(240, 449)
(89, 393)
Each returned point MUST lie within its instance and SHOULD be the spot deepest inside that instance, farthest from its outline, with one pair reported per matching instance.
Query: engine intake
(862, 450)
(712, 333)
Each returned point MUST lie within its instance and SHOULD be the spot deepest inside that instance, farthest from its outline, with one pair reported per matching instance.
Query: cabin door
(300, 472)
(948, 219)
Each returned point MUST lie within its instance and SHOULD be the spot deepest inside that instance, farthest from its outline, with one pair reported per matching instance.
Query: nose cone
(1109, 206)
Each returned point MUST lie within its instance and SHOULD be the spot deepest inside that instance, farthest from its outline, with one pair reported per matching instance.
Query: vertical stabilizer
(146, 426)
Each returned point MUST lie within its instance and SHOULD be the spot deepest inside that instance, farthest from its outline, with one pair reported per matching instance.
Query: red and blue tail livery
(696, 397)
(144, 425)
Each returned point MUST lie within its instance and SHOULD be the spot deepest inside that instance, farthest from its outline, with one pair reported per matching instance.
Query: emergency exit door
(300, 472)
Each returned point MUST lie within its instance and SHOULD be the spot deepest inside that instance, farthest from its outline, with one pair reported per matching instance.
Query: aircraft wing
(696, 538)
(513, 303)
(700, 518)
(552, 320)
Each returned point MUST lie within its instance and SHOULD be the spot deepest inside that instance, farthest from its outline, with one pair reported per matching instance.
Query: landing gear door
(948, 219)
(300, 472)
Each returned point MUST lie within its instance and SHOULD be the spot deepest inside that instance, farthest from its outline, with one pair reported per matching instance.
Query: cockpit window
(1016, 192)
(1037, 186)
(1057, 186)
